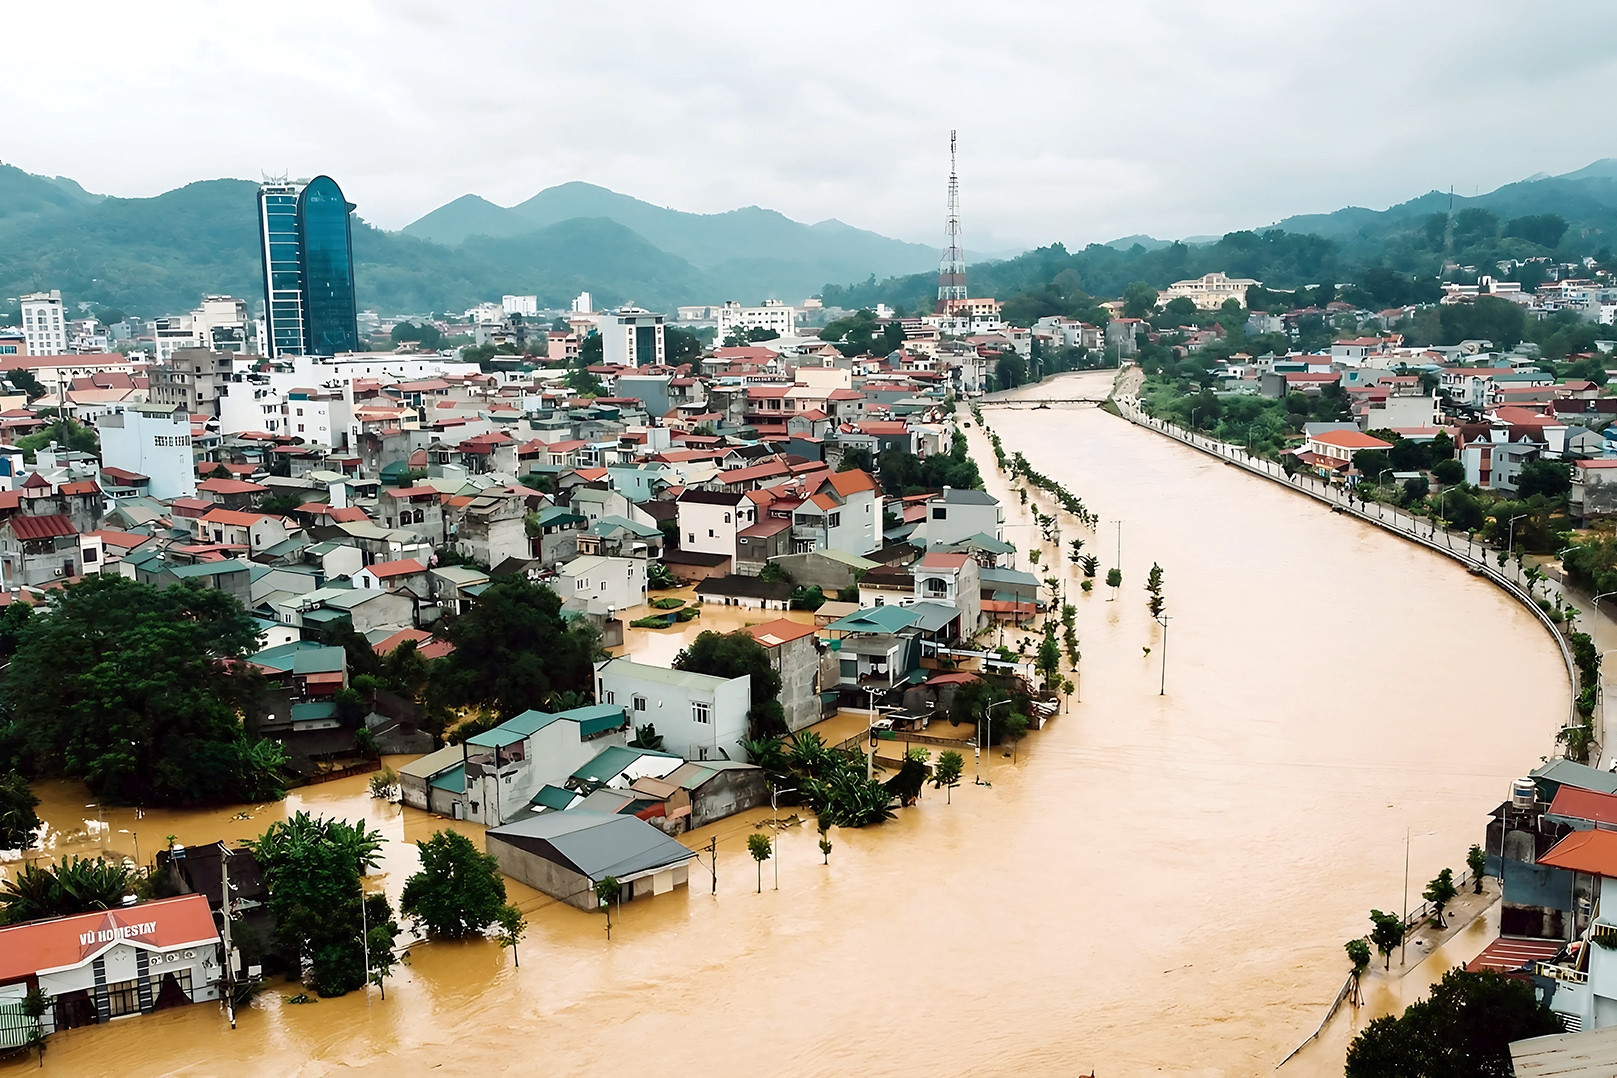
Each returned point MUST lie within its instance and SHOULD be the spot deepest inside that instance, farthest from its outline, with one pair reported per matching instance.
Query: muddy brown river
(1157, 885)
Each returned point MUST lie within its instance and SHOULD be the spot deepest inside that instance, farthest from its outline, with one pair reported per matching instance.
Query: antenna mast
(952, 271)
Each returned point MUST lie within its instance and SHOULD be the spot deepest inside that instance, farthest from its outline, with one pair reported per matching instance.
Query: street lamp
(986, 754)
(1404, 934)
(1511, 543)
(136, 836)
(774, 838)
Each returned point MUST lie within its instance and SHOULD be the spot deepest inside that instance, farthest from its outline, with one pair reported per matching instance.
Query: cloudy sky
(1078, 121)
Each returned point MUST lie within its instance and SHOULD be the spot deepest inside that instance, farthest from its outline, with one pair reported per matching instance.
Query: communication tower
(952, 270)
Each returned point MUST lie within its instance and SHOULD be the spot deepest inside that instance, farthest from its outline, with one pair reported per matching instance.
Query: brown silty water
(1157, 885)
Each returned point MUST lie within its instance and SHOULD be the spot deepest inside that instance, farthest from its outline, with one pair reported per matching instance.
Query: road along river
(1157, 885)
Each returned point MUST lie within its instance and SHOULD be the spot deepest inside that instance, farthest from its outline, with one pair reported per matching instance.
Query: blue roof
(280, 657)
(311, 711)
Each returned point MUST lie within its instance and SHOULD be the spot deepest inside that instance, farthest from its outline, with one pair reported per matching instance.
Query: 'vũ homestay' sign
(118, 932)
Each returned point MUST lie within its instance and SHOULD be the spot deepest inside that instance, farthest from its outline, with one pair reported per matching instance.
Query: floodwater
(1159, 884)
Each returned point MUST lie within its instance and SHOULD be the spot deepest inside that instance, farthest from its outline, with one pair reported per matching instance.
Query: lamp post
(870, 734)
(136, 836)
(1510, 546)
(986, 754)
(1379, 474)
(1404, 935)
(774, 838)
(1162, 689)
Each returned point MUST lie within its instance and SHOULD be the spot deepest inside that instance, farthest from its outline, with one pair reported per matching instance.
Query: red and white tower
(952, 270)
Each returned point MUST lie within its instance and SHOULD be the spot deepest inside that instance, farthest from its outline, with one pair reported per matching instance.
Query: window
(940, 513)
(123, 998)
(699, 712)
(610, 697)
(638, 702)
(710, 533)
(581, 584)
(726, 520)
(836, 520)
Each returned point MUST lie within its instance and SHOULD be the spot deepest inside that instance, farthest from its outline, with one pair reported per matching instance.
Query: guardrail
(1326, 494)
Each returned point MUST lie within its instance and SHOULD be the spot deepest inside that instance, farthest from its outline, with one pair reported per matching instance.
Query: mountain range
(159, 255)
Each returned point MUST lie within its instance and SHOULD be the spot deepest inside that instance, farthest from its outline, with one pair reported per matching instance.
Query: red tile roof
(69, 942)
(229, 486)
(1350, 439)
(230, 516)
(52, 526)
(780, 631)
(386, 570)
(1585, 805)
(1594, 852)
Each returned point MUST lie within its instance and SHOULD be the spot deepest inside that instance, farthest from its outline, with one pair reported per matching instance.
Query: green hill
(749, 253)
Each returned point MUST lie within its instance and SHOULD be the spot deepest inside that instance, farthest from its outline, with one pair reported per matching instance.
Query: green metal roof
(611, 761)
(312, 711)
(553, 797)
(324, 616)
(320, 660)
(876, 619)
(595, 719)
(453, 780)
(206, 568)
(281, 656)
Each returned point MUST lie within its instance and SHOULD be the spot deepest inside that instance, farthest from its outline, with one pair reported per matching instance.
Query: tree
(1448, 471)
(1090, 565)
(18, 820)
(1049, 661)
(1077, 551)
(680, 346)
(1371, 462)
(1358, 952)
(856, 458)
(459, 890)
(948, 770)
(1139, 300)
(730, 655)
(1551, 478)
(511, 928)
(512, 648)
(1440, 892)
(759, 846)
(1386, 932)
(647, 737)
(1477, 861)
(381, 932)
(73, 885)
(1462, 1029)
(1114, 580)
(64, 432)
(140, 692)
(311, 868)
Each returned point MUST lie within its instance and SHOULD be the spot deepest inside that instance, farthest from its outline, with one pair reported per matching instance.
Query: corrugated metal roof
(597, 844)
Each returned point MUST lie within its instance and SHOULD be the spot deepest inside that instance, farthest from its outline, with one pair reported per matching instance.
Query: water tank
(1523, 793)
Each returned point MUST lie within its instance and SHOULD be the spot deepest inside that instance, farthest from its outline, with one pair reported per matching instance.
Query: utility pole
(1162, 689)
(713, 860)
(224, 911)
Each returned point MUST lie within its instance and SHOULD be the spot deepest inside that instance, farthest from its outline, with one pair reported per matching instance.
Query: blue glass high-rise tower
(308, 251)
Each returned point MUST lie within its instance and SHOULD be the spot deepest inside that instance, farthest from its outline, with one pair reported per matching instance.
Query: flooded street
(1158, 884)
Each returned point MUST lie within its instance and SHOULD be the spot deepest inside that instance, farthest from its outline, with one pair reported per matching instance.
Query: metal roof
(1590, 1054)
(610, 762)
(662, 675)
(319, 660)
(595, 844)
(876, 619)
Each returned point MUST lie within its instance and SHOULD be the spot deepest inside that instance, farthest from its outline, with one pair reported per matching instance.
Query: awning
(1509, 954)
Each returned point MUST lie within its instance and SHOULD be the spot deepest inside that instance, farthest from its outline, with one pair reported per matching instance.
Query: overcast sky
(1078, 121)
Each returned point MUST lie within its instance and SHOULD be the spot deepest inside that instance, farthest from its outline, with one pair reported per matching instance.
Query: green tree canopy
(139, 693)
(512, 649)
(730, 655)
(72, 886)
(312, 868)
(459, 890)
(1462, 1030)
(18, 820)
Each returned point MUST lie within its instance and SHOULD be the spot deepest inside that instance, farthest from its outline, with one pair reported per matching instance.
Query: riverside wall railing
(1459, 547)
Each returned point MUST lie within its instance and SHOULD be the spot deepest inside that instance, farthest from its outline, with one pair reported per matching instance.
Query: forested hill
(1392, 256)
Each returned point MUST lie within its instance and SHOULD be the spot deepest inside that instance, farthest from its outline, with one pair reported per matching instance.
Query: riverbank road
(1426, 938)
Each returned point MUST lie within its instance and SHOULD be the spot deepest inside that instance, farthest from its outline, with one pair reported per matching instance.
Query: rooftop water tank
(1523, 793)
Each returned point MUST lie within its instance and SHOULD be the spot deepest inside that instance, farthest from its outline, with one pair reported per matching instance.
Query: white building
(95, 967)
(698, 716)
(154, 441)
(709, 520)
(523, 305)
(618, 583)
(223, 324)
(172, 334)
(584, 304)
(959, 514)
(1208, 292)
(774, 315)
(631, 337)
(43, 324)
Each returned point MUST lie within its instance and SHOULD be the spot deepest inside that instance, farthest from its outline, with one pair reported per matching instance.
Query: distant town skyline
(1079, 123)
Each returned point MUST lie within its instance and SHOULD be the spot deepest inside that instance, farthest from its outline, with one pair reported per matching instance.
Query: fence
(1341, 502)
